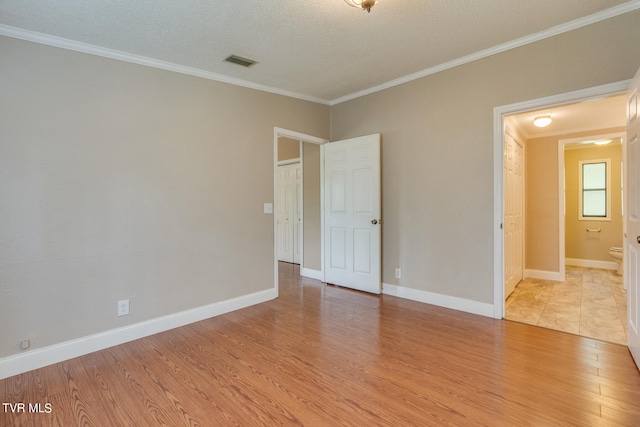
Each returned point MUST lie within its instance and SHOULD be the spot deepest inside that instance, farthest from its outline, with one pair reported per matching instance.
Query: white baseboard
(447, 301)
(591, 263)
(543, 275)
(38, 358)
(312, 274)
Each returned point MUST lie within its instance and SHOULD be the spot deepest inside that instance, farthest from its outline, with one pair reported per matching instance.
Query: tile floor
(591, 303)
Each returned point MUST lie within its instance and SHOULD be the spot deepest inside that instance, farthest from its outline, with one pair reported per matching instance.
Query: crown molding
(46, 39)
(553, 31)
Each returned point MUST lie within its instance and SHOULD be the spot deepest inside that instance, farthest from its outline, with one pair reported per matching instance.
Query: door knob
(375, 221)
(638, 239)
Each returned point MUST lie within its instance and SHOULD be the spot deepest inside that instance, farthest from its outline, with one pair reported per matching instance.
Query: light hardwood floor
(591, 302)
(326, 356)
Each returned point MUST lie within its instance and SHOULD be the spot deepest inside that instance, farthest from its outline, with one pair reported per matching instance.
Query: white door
(352, 213)
(632, 273)
(289, 214)
(513, 213)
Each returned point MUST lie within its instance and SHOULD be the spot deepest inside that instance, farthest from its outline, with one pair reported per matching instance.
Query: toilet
(616, 254)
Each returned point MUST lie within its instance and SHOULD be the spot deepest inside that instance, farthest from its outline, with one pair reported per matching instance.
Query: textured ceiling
(322, 50)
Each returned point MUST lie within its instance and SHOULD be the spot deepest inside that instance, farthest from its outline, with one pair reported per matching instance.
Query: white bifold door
(352, 213)
(289, 212)
(632, 238)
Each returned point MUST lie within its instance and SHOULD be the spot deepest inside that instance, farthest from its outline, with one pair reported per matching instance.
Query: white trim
(562, 212)
(592, 263)
(36, 37)
(498, 165)
(311, 273)
(559, 29)
(447, 301)
(498, 212)
(322, 243)
(289, 161)
(285, 133)
(38, 358)
(275, 210)
(46, 39)
(301, 208)
(613, 135)
(556, 276)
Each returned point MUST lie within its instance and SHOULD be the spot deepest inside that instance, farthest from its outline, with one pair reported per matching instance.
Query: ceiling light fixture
(542, 121)
(602, 141)
(362, 4)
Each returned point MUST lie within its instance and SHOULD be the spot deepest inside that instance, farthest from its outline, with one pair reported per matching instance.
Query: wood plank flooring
(326, 356)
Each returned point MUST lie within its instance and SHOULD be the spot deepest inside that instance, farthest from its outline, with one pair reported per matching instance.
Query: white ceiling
(321, 50)
(580, 117)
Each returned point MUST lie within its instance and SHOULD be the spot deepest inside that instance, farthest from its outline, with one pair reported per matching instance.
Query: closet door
(289, 213)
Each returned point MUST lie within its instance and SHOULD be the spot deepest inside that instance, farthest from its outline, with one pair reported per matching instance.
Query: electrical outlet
(123, 307)
(398, 273)
(25, 344)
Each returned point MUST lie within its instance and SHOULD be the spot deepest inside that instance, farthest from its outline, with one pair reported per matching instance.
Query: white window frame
(607, 190)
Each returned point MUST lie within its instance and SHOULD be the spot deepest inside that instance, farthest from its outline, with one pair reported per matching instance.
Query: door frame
(562, 199)
(499, 114)
(286, 133)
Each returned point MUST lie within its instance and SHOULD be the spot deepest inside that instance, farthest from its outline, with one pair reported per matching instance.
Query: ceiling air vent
(240, 60)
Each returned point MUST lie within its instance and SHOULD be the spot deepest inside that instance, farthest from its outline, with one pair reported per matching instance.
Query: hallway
(591, 303)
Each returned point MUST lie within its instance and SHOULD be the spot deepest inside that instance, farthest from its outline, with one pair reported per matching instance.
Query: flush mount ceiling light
(542, 121)
(362, 4)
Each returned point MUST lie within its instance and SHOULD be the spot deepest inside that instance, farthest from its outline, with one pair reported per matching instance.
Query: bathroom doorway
(570, 281)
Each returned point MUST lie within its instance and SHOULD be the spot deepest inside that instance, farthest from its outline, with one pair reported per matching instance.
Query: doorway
(591, 295)
(309, 207)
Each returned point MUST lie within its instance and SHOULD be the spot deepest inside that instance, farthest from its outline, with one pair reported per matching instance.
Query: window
(595, 183)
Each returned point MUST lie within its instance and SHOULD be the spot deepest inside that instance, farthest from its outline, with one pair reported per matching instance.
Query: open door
(632, 237)
(513, 213)
(352, 213)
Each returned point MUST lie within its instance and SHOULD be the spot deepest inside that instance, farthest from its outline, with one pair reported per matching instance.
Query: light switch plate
(268, 208)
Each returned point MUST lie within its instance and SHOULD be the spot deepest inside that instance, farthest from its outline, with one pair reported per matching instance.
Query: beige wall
(123, 181)
(542, 218)
(437, 148)
(542, 205)
(288, 149)
(581, 244)
(311, 207)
